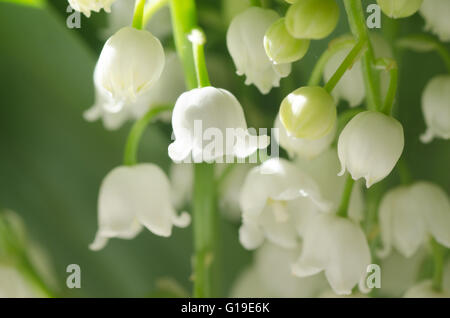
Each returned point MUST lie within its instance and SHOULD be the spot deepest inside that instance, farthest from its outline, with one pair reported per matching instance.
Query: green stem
(389, 65)
(438, 257)
(205, 218)
(403, 172)
(132, 146)
(346, 64)
(197, 37)
(334, 47)
(345, 199)
(357, 24)
(138, 14)
(151, 9)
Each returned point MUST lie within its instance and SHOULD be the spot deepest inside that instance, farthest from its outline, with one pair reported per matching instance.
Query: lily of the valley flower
(436, 13)
(436, 108)
(312, 19)
(410, 214)
(308, 112)
(304, 148)
(337, 246)
(277, 201)
(245, 42)
(133, 197)
(182, 179)
(425, 290)
(129, 65)
(13, 284)
(164, 92)
(281, 47)
(399, 8)
(205, 114)
(370, 146)
(324, 170)
(86, 6)
(270, 275)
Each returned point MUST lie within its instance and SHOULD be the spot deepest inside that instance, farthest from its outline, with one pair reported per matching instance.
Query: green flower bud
(281, 47)
(399, 8)
(312, 19)
(308, 112)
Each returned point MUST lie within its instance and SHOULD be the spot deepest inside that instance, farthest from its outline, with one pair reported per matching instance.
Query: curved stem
(357, 23)
(389, 65)
(334, 47)
(138, 14)
(346, 195)
(197, 37)
(438, 257)
(151, 9)
(346, 64)
(136, 132)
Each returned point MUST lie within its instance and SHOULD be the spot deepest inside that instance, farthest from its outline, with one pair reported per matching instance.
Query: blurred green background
(52, 161)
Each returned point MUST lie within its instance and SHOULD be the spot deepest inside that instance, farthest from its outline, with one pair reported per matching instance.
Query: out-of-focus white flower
(351, 86)
(304, 148)
(182, 180)
(122, 15)
(277, 201)
(324, 169)
(130, 63)
(370, 146)
(245, 42)
(436, 108)
(133, 197)
(86, 6)
(281, 47)
(200, 121)
(229, 190)
(14, 285)
(164, 92)
(309, 112)
(425, 290)
(400, 273)
(270, 275)
(436, 13)
(312, 19)
(399, 8)
(337, 246)
(409, 214)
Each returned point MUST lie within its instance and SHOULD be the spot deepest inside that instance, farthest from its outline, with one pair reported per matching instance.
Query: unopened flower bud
(370, 146)
(281, 47)
(399, 8)
(308, 112)
(312, 19)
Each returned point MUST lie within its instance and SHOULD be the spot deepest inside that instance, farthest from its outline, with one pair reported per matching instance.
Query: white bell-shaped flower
(245, 41)
(182, 180)
(410, 214)
(337, 246)
(304, 148)
(130, 63)
(270, 275)
(436, 13)
(86, 6)
(277, 202)
(324, 170)
(164, 92)
(425, 290)
(133, 197)
(370, 146)
(13, 284)
(208, 124)
(436, 108)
